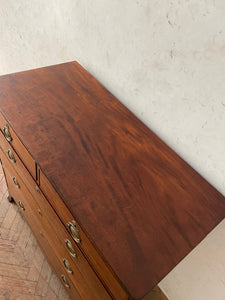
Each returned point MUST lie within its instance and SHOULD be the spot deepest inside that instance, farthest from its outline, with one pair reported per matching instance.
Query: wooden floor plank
(17, 285)
(9, 217)
(18, 296)
(14, 271)
(36, 266)
(43, 281)
(4, 206)
(12, 258)
(17, 227)
(62, 294)
(7, 245)
(4, 233)
(3, 186)
(54, 283)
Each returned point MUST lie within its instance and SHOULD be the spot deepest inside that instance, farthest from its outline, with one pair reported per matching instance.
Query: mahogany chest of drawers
(113, 208)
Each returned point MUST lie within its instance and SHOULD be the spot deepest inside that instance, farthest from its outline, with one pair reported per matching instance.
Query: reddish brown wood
(17, 163)
(141, 205)
(20, 148)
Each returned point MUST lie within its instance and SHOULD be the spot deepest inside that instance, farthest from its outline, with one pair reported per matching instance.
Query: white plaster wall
(165, 60)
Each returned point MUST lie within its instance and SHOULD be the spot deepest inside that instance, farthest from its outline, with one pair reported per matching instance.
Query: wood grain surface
(142, 206)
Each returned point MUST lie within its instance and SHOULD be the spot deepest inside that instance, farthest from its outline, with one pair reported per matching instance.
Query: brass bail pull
(11, 156)
(65, 281)
(21, 205)
(7, 133)
(67, 266)
(16, 182)
(74, 231)
(70, 248)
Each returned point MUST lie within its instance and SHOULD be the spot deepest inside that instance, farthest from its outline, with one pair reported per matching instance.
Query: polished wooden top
(141, 205)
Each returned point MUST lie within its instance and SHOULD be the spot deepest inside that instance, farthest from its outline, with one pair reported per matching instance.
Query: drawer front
(10, 137)
(80, 272)
(15, 162)
(55, 264)
(67, 248)
(82, 276)
(23, 198)
(88, 249)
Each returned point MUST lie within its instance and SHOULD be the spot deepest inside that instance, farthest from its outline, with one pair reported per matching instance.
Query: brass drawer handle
(74, 231)
(67, 266)
(65, 281)
(11, 156)
(7, 133)
(21, 205)
(70, 248)
(16, 182)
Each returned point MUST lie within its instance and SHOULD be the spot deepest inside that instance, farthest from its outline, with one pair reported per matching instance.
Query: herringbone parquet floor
(24, 272)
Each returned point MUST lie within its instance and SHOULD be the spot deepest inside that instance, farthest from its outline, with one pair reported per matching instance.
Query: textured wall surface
(165, 60)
